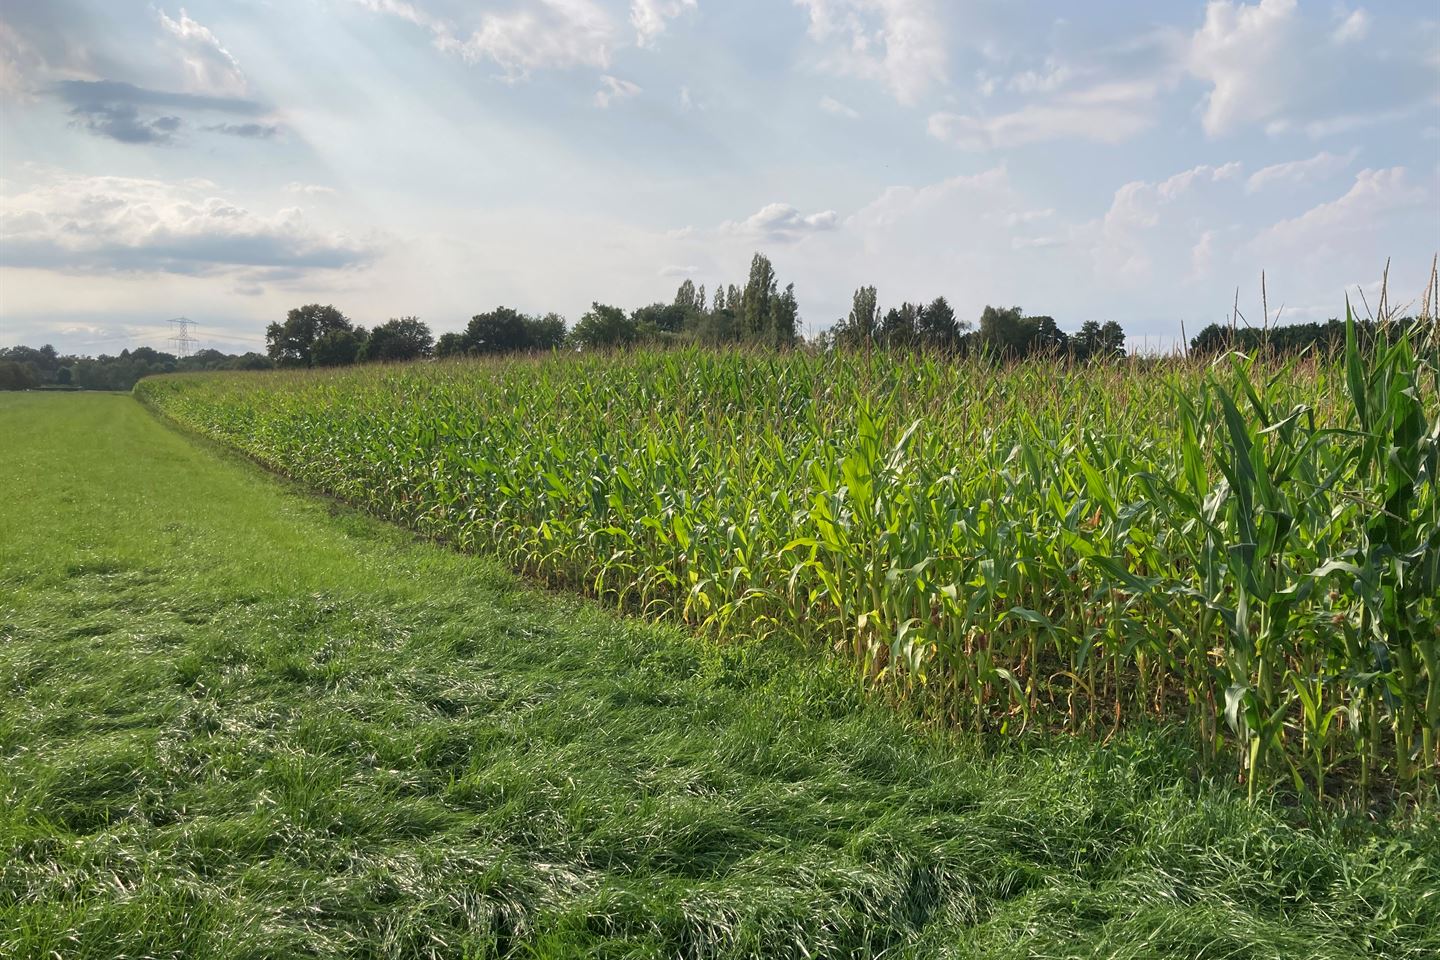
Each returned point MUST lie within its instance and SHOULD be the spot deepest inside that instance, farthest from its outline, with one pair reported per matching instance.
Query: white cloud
(649, 17)
(79, 224)
(906, 242)
(209, 67)
(1107, 112)
(679, 271)
(310, 189)
(1020, 217)
(1055, 76)
(403, 10)
(19, 62)
(1300, 172)
(1248, 55)
(543, 34)
(782, 222)
(614, 89)
(1154, 226)
(1272, 64)
(1202, 255)
(1354, 28)
(1363, 209)
(1343, 123)
(900, 43)
(535, 35)
(837, 109)
(1096, 89)
(1035, 243)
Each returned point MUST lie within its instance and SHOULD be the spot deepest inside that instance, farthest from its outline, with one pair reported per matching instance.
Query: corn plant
(1248, 549)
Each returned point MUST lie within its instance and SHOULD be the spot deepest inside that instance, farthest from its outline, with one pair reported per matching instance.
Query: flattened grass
(239, 722)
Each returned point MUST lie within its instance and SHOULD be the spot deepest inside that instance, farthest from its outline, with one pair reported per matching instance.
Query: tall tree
(338, 348)
(502, 330)
(662, 317)
(1002, 330)
(450, 345)
(292, 343)
(785, 318)
(606, 327)
(901, 326)
(1043, 335)
(937, 327)
(1086, 343)
(1112, 340)
(685, 296)
(398, 339)
(547, 332)
(755, 301)
(860, 328)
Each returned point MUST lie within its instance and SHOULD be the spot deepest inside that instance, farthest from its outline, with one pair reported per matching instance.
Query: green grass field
(238, 721)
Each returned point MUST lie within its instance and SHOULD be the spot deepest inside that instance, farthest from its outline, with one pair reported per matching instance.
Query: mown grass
(240, 722)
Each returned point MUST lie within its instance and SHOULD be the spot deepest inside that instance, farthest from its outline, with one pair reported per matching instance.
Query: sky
(227, 160)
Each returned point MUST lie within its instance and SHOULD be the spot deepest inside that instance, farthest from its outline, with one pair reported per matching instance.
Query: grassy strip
(238, 722)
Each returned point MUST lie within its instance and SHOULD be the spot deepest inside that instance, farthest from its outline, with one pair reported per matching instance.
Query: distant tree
(1042, 335)
(42, 363)
(398, 339)
(755, 313)
(1111, 342)
(862, 326)
(502, 330)
(1002, 331)
(450, 345)
(249, 361)
(785, 318)
(716, 327)
(900, 327)
(338, 348)
(148, 355)
(687, 298)
(292, 343)
(207, 359)
(661, 317)
(937, 327)
(106, 372)
(1292, 338)
(15, 375)
(547, 332)
(1086, 343)
(606, 327)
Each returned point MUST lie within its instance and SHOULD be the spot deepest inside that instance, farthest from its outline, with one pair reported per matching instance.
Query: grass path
(236, 721)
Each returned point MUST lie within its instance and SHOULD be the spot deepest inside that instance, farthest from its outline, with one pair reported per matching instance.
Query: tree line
(1005, 332)
(757, 314)
(1291, 339)
(40, 368)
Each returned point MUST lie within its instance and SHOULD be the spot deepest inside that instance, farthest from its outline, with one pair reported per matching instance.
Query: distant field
(1253, 551)
(239, 722)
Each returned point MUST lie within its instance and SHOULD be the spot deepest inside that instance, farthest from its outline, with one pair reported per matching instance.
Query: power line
(183, 339)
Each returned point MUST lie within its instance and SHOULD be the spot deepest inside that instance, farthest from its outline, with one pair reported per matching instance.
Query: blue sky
(1135, 161)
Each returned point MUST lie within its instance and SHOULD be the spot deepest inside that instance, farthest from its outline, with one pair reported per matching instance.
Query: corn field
(1249, 549)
